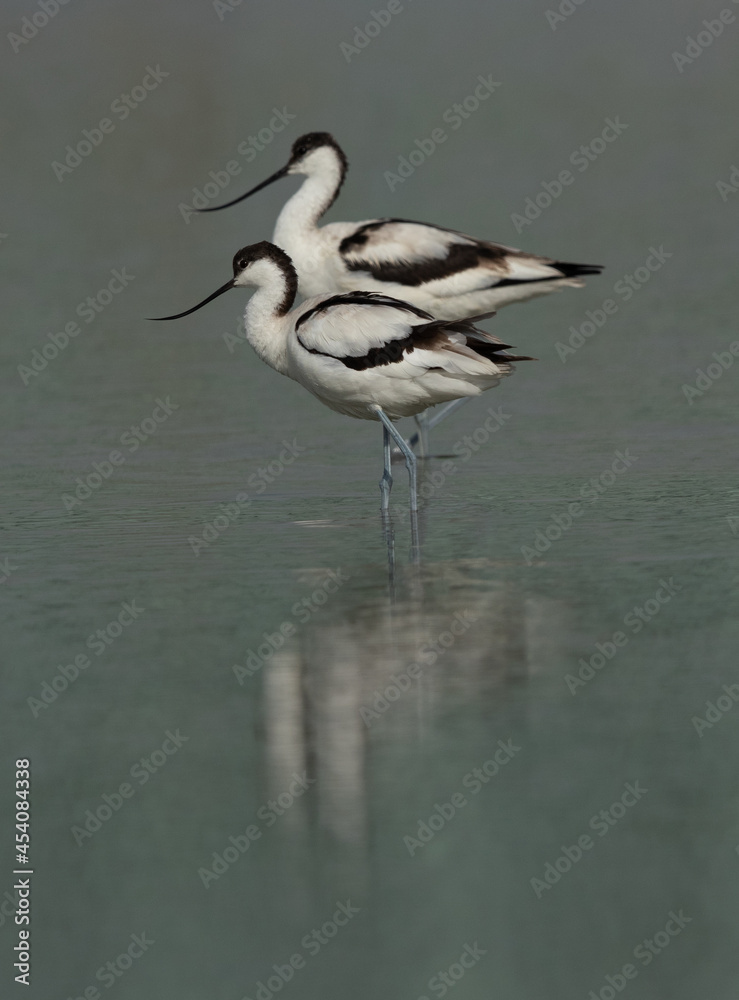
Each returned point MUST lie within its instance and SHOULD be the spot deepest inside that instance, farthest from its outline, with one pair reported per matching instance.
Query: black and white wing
(369, 330)
(417, 254)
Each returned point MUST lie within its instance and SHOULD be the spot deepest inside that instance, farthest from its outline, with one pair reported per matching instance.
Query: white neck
(316, 194)
(267, 324)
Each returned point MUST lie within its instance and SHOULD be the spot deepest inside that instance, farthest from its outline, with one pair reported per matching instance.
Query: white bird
(362, 353)
(446, 273)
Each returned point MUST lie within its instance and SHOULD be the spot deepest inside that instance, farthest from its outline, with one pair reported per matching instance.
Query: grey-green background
(668, 517)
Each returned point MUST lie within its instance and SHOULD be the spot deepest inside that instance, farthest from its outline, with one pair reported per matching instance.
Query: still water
(275, 751)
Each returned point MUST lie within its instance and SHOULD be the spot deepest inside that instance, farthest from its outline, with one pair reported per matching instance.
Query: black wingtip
(574, 270)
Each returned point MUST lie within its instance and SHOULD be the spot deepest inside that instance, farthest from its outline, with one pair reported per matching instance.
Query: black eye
(301, 150)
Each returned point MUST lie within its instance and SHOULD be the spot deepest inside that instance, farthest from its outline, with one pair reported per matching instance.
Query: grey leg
(415, 540)
(410, 458)
(386, 483)
(389, 535)
(446, 410)
(422, 435)
(431, 422)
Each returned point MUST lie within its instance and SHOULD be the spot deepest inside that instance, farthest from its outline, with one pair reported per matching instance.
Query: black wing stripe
(360, 236)
(460, 257)
(392, 351)
(361, 298)
(395, 350)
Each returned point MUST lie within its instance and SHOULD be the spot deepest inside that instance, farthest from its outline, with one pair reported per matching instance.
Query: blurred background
(353, 752)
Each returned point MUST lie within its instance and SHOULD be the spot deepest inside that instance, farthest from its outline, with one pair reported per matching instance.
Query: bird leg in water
(386, 483)
(431, 422)
(422, 435)
(410, 459)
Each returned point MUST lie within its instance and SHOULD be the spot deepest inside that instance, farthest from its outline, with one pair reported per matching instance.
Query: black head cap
(317, 140)
(268, 251)
(259, 251)
(314, 140)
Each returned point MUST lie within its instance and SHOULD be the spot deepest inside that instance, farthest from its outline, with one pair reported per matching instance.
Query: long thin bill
(221, 290)
(270, 180)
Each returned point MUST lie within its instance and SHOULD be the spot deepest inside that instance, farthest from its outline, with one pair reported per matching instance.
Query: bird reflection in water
(366, 682)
